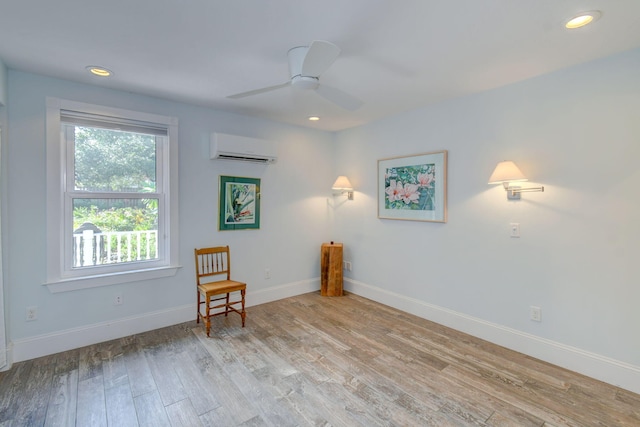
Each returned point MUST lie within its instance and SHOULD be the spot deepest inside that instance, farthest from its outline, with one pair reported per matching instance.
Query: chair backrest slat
(212, 262)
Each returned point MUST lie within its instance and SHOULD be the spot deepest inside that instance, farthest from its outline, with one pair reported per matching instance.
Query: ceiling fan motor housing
(296, 59)
(305, 82)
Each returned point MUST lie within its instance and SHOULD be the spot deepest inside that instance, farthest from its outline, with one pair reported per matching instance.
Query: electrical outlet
(32, 313)
(267, 273)
(348, 265)
(118, 300)
(535, 313)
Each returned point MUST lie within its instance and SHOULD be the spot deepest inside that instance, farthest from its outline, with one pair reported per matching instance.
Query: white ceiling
(396, 55)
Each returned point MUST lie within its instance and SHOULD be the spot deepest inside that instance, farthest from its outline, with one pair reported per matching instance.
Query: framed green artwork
(239, 203)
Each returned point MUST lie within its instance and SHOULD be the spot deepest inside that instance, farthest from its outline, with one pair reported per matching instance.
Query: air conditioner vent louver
(242, 149)
(243, 158)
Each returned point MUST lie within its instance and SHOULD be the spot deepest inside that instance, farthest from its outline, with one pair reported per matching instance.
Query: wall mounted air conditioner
(241, 148)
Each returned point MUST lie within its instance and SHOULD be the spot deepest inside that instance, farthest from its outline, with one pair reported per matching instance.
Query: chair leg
(226, 307)
(243, 313)
(198, 307)
(207, 320)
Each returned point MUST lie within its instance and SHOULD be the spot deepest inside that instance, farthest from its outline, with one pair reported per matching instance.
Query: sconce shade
(342, 183)
(506, 171)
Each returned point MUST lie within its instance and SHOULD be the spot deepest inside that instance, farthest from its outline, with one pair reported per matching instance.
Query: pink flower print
(425, 179)
(394, 190)
(410, 194)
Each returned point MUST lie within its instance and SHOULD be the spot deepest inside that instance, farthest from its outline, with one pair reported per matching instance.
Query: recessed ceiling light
(314, 118)
(583, 19)
(99, 71)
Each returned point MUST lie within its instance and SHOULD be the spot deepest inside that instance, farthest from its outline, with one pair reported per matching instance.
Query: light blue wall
(294, 219)
(3, 84)
(3, 189)
(577, 132)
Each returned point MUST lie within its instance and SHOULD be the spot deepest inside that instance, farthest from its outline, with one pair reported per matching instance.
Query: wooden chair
(212, 262)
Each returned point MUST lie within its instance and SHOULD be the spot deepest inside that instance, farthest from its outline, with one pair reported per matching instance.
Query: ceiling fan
(306, 63)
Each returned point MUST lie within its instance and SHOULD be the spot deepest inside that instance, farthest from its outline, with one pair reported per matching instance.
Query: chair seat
(221, 287)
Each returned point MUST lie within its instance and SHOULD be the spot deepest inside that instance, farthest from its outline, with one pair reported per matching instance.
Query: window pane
(114, 161)
(111, 231)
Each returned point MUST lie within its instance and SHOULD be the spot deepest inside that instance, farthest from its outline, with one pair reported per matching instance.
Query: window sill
(86, 282)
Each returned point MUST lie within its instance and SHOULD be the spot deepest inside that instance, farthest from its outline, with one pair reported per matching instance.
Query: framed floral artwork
(239, 203)
(413, 187)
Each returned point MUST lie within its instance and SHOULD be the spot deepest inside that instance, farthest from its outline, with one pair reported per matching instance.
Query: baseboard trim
(600, 367)
(43, 345)
(6, 357)
(282, 291)
(615, 372)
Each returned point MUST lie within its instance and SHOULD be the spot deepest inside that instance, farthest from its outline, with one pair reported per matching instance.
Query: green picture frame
(239, 207)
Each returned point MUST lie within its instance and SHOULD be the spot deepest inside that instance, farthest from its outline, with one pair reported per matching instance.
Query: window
(111, 195)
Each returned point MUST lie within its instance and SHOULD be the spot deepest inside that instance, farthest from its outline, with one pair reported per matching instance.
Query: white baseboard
(282, 291)
(605, 369)
(6, 357)
(43, 345)
(620, 374)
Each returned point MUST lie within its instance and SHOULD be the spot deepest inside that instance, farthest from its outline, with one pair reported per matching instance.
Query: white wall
(577, 132)
(294, 220)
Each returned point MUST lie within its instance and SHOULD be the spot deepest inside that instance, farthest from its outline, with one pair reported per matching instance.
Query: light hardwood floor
(307, 361)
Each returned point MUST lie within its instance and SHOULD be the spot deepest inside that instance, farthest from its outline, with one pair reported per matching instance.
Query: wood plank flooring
(306, 361)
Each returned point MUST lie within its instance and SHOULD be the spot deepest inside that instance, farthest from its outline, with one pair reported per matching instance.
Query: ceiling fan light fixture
(584, 18)
(314, 118)
(96, 70)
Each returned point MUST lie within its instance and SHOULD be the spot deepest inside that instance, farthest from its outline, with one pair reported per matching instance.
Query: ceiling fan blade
(338, 97)
(258, 91)
(319, 57)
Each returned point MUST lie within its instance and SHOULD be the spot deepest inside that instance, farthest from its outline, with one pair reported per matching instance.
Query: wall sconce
(507, 172)
(342, 185)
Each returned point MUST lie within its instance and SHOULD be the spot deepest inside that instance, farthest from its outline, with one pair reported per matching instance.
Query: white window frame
(60, 276)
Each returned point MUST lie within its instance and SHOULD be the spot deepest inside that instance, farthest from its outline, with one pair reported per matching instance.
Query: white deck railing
(90, 248)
